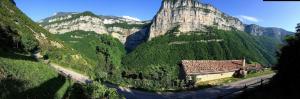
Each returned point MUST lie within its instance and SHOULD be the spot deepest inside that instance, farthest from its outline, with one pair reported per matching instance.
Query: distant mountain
(56, 15)
(118, 27)
(272, 32)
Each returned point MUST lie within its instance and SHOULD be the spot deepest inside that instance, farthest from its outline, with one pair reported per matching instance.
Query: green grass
(33, 72)
(232, 79)
(28, 78)
(18, 35)
(16, 27)
(60, 94)
(22, 76)
(260, 73)
(101, 52)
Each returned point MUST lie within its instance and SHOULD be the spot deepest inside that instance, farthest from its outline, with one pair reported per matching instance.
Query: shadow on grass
(16, 56)
(46, 90)
(76, 92)
(14, 89)
(202, 87)
(10, 88)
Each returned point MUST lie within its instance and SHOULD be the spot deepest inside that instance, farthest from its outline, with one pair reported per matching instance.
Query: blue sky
(269, 14)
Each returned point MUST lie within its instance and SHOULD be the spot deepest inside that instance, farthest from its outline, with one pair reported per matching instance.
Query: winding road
(209, 93)
(71, 74)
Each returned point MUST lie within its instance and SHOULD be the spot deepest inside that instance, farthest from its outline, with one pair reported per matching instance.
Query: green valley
(189, 49)
(159, 60)
(102, 52)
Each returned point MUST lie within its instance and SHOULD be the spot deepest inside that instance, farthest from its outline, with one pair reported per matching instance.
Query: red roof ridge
(211, 66)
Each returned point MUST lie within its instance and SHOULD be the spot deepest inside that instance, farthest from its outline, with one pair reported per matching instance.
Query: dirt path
(69, 73)
(65, 72)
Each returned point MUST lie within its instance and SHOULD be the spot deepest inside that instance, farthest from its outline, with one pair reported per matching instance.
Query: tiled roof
(198, 67)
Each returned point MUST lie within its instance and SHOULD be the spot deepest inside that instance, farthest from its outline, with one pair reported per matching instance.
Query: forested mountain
(178, 33)
(102, 52)
(271, 32)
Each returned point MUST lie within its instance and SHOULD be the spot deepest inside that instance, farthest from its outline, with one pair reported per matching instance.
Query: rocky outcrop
(136, 39)
(190, 15)
(85, 23)
(276, 33)
(121, 33)
(118, 27)
(254, 29)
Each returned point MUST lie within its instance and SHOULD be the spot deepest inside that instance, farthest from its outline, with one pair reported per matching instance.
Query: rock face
(276, 33)
(118, 27)
(85, 23)
(190, 15)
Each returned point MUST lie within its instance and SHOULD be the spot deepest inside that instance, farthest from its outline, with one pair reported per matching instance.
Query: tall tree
(288, 67)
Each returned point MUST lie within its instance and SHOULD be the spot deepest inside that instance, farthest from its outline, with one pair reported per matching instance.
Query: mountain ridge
(118, 27)
(132, 33)
(273, 32)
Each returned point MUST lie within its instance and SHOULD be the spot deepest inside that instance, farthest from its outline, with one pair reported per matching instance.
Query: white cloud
(248, 18)
(131, 18)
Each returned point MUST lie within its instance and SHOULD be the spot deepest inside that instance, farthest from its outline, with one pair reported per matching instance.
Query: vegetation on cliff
(103, 53)
(158, 61)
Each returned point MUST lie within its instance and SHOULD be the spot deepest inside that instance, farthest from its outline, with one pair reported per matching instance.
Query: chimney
(244, 67)
(244, 63)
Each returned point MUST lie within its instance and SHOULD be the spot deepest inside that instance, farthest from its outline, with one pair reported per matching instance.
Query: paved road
(209, 93)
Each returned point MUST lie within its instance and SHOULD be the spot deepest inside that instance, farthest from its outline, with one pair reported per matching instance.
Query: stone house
(206, 70)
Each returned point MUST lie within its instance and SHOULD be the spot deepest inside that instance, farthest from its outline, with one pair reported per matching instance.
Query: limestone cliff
(118, 27)
(190, 15)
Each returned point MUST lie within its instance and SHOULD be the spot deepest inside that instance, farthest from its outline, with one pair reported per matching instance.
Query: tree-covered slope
(19, 34)
(102, 52)
(215, 44)
(21, 75)
(162, 55)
